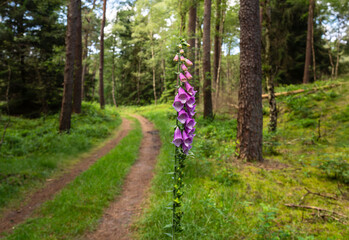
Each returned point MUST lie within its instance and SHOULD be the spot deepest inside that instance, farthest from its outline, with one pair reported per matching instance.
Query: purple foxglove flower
(177, 104)
(187, 61)
(188, 75)
(186, 149)
(182, 116)
(182, 58)
(182, 95)
(190, 123)
(181, 51)
(177, 138)
(190, 102)
(176, 58)
(184, 68)
(191, 114)
(189, 131)
(182, 77)
(187, 140)
(189, 88)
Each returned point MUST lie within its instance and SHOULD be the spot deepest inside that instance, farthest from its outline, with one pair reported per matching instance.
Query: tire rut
(116, 221)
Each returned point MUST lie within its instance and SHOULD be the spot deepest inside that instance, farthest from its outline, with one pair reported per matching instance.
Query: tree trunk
(268, 70)
(197, 77)
(191, 34)
(78, 63)
(101, 60)
(138, 81)
(338, 57)
(220, 40)
(217, 45)
(331, 62)
(308, 46)
(164, 73)
(66, 109)
(250, 116)
(113, 76)
(206, 65)
(85, 54)
(153, 66)
(313, 48)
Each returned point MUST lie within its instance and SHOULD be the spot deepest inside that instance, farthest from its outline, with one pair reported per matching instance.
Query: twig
(320, 194)
(316, 208)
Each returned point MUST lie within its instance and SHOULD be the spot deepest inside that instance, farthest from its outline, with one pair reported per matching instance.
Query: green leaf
(169, 234)
(168, 225)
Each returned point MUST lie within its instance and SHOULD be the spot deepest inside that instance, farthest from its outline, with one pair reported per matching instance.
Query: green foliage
(79, 206)
(342, 116)
(336, 168)
(227, 176)
(33, 149)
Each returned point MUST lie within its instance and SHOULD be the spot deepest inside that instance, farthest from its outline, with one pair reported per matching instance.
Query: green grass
(80, 205)
(33, 150)
(225, 198)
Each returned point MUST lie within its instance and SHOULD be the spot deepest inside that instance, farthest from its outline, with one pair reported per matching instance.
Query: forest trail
(13, 217)
(117, 219)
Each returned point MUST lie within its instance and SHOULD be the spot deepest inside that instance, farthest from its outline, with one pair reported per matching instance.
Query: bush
(337, 169)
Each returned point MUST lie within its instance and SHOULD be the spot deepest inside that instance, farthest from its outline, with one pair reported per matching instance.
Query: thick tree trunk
(268, 69)
(206, 65)
(250, 116)
(191, 35)
(308, 46)
(101, 59)
(78, 63)
(66, 110)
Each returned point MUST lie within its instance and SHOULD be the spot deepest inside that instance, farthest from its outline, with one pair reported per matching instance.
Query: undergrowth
(225, 198)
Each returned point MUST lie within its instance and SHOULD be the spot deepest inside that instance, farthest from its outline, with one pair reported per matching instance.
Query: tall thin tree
(66, 109)
(250, 116)
(191, 34)
(206, 65)
(217, 45)
(78, 62)
(101, 59)
(309, 41)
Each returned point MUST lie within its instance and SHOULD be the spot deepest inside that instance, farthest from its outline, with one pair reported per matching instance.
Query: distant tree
(206, 65)
(250, 116)
(66, 110)
(101, 58)
(192, 33)
(309, 42)
(78, 62)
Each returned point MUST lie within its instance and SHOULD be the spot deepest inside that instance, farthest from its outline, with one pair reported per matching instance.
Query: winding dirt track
(12, 217)
(115, 224)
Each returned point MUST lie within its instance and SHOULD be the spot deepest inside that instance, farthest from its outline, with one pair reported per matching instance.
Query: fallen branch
(317, 209)
(321, 194)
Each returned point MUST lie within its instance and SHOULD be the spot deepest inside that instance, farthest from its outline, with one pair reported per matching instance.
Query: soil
(117, 219)
(13, 217)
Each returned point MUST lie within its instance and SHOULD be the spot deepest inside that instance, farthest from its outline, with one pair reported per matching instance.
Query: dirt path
(117, 218)
(13, 217)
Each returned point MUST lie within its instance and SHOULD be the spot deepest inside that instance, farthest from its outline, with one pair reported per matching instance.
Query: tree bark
(66, 109)
(113, 75)
(308, 46)
(206, 65)
(78, 62)
(101, 59)
(268, 70)
(313, 48)
(220, 40)
(153, 66)
(250, 116)
(191, 34)
(197, 77)
(331, 62)
(217, 45)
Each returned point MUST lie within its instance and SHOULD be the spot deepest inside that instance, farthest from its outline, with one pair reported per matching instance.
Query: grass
(225, 198)
(33, 150)
(79, 206)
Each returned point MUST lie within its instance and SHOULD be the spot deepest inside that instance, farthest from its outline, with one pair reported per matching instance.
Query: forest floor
(299, 192)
